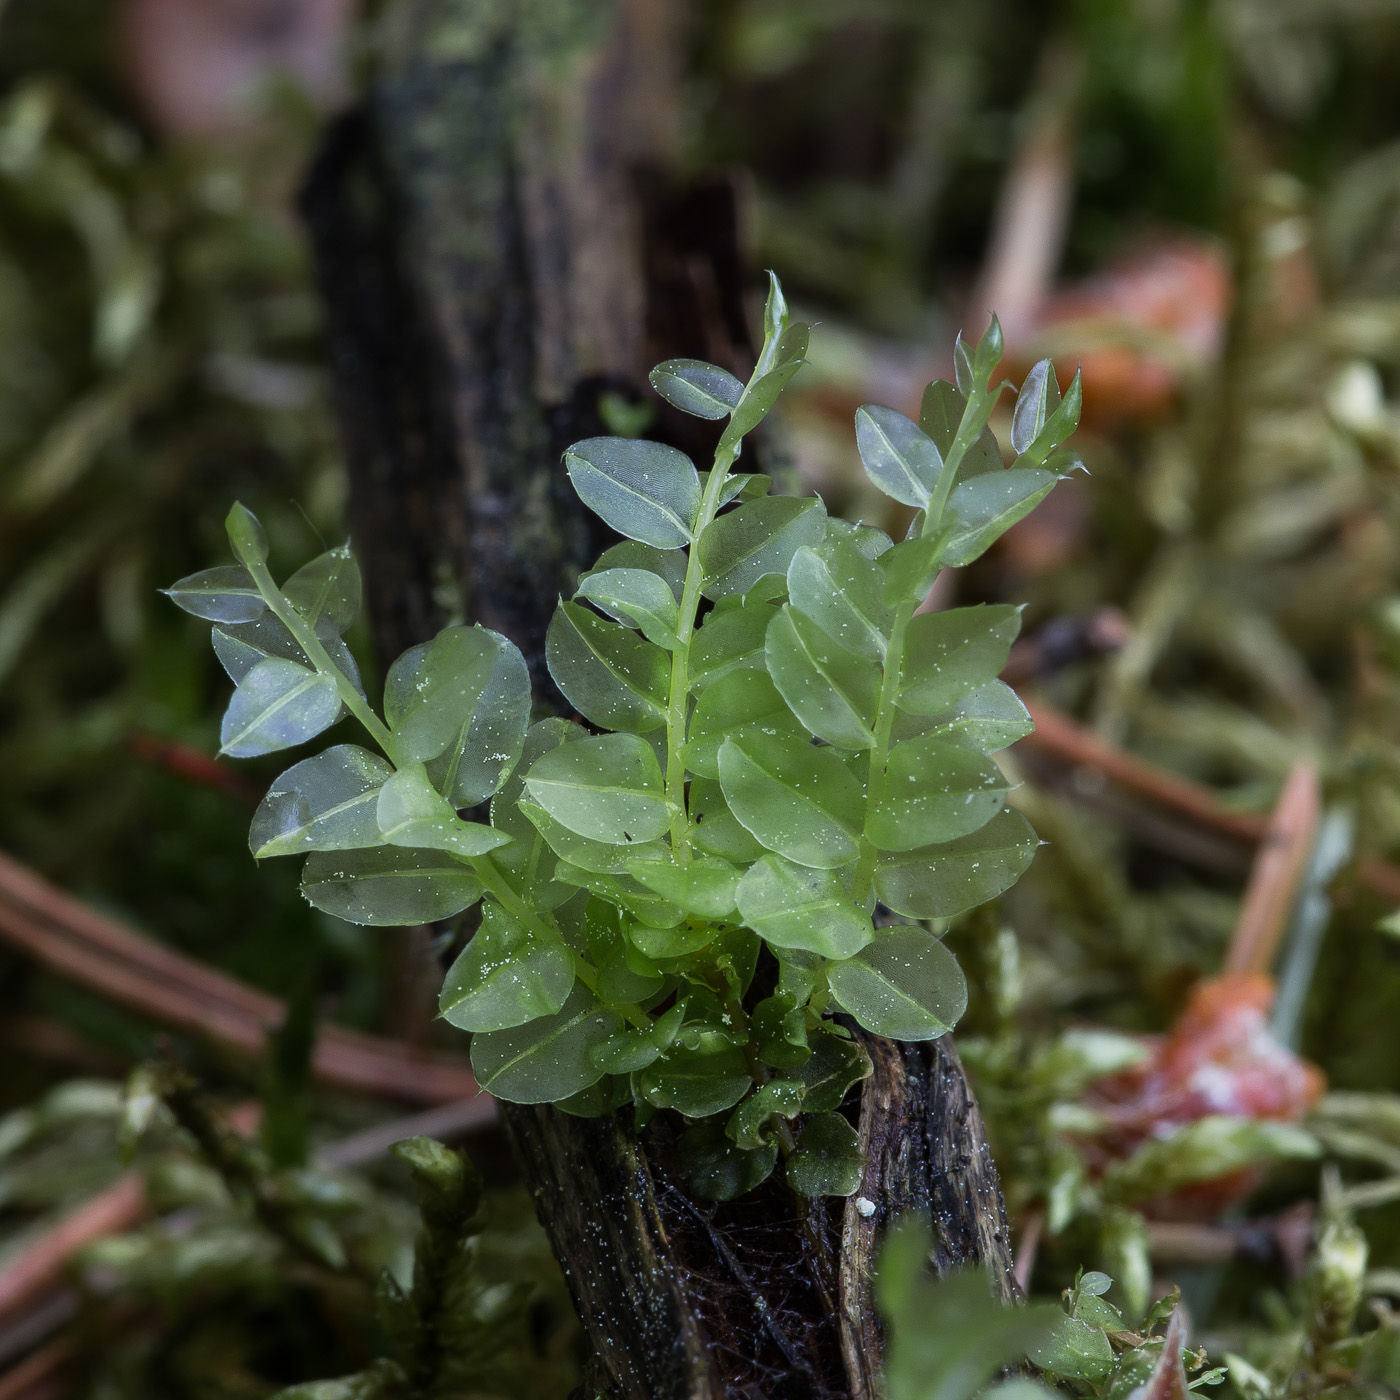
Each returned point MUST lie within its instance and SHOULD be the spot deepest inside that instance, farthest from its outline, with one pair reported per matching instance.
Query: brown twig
(1280, 863)
(1057, 734)
(38, 1376)
(100, 953)
(1028, 230)
(37, 1271)
(39, 1268)
(1027, 1250)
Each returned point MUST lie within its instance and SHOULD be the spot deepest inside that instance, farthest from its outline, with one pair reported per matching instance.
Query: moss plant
(777, 745)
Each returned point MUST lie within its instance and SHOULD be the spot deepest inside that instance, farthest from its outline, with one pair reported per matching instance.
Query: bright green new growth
(786, 747)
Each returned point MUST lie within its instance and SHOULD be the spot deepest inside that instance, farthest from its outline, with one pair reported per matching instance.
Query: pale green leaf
(327, 588)
(715, 829)
(644, 490)
(276, 705)
(729, 641)
(325, 803)
(939, 416)
(760, 397)
(599, 857)
(224, 594)
(411, 812)
(950, 654)
(1077, 1350)
(831, 690)
(668, 564)
(463, 698)
(937, 882)
(695, 1083)
(740, 699)
(528, 858)
(607, 788)
(1042, 451)
(794, 906)
(506, 976)
(241, 645)
(759, 538)
(246, 534)
(1038, 399)
(905, 985)
(609, 674)
(695, 387)
(934, 791)
(625, 892)
(706, 888)
(984, 508)
(388, 885)
(636, 599)
(841, 591)
(549, 1058)
(800, 801)
(988, 719)
(898, 456)
(910, 568)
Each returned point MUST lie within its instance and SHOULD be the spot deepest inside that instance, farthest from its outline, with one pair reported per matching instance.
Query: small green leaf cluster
(776, 743)
(1094, 1352)
(946, 1338)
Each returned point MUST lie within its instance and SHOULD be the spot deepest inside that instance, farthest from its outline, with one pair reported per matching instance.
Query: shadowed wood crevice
(455, 226)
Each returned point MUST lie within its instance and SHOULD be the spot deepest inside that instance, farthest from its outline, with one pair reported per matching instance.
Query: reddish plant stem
(76, 941)
(1280, 864)
(1057, 734)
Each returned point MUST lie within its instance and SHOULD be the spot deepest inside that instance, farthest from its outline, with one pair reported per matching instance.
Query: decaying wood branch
(457, 228)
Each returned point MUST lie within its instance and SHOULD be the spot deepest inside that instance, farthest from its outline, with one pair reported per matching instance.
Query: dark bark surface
(498, 247)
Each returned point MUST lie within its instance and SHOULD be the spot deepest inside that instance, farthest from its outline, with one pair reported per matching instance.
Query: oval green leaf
(950, 654)
(644, 490)
(607, 788)
(828, 1161)
(937, 882)
(609, 674)
(795, 906)
(505, 976)
(550, 1058)
(987, 506)
(224, 594)
(898, 456)
(635, 598)
(800, 801)
(841, 590)
(388, 885)
(905, 985)
(831, 690)
(328, 588)
(935, 791)
(325, 803)
(698, 388)
(276, 705)
(411, 812)
(759, 538)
